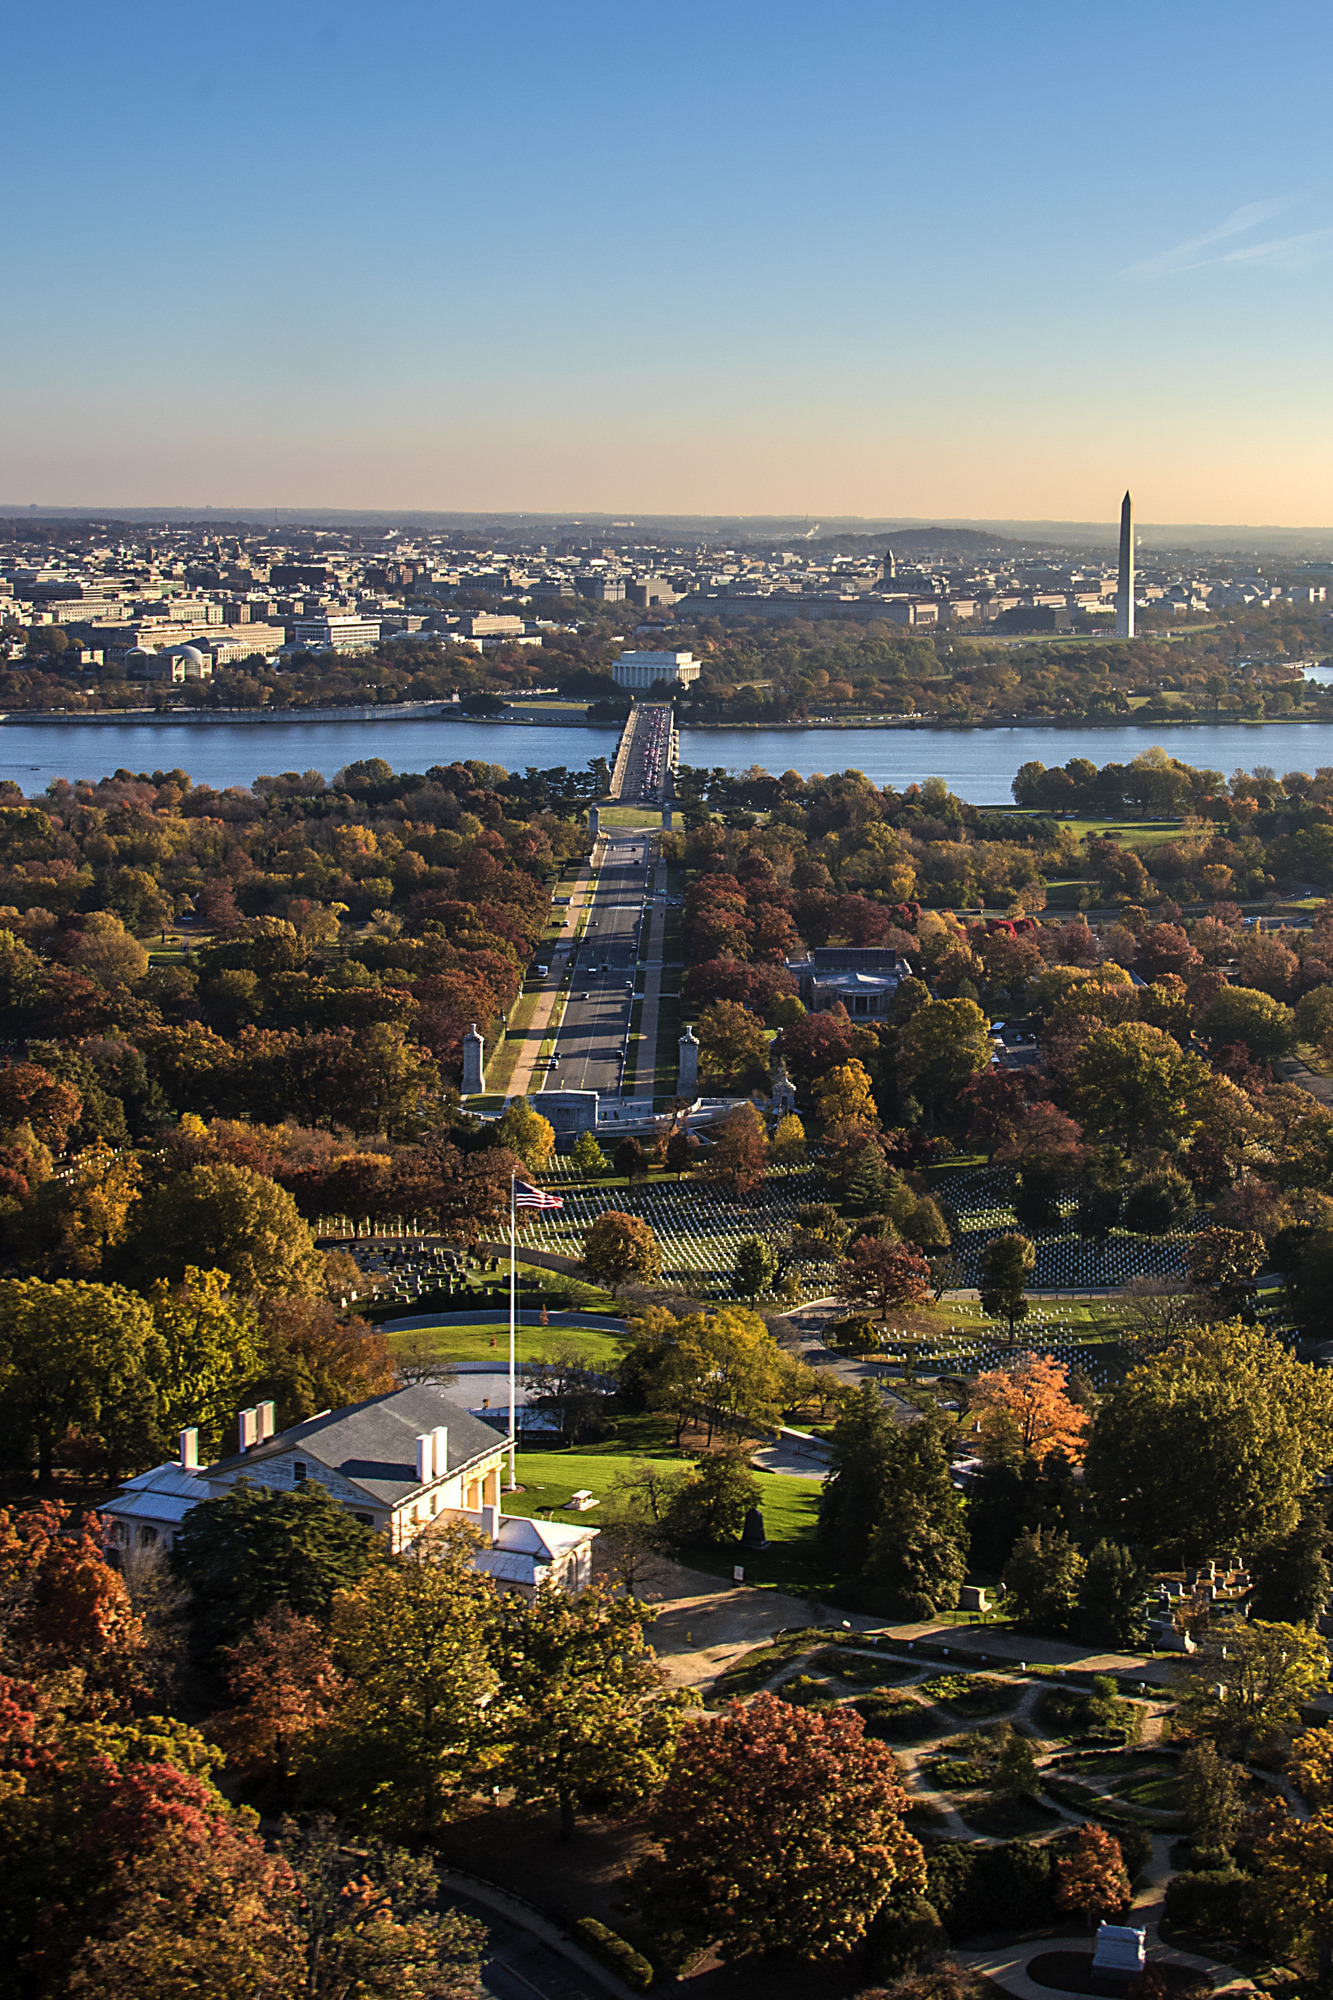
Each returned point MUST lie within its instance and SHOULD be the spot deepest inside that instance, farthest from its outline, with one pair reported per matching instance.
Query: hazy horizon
(977, 266)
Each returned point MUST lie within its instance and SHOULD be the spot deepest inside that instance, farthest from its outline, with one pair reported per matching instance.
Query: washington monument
(1124, 596)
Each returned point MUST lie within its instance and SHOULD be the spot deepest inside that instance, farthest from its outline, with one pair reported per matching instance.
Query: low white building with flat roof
(644, 670)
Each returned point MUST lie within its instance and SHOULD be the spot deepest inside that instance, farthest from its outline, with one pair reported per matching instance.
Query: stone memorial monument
(752, 1535)
(1120, 1951)
(687, 1081)
(474, 1069)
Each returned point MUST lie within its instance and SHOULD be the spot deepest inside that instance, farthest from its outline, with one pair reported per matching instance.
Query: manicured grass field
(622, 816)
(473, 1342)
(789, 1506)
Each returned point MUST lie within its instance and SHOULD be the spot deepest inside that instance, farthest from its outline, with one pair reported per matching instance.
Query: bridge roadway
(641, 771)
(595, 1024)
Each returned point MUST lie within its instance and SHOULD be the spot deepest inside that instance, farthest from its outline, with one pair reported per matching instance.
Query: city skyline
(750, 263)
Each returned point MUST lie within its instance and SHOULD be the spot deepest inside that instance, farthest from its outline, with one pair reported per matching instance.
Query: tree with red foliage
(1165, 948)
(814, 1046)
(883, 1275)
(994, 1102)
(780, 1829)
(864, 924)
(63, 1604)
(30, 1095)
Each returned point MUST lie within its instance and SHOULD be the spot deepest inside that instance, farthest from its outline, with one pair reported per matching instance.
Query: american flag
(527, 1196)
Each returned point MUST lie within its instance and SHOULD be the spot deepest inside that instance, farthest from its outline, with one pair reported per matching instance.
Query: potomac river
(977, 764)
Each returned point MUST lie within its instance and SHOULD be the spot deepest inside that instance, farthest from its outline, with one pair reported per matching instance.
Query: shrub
(861, 1669)
(1204, 1899)
(896, 1718)
(806, 1692)
(977, 1888)
(901, 1936)
(632, 1966)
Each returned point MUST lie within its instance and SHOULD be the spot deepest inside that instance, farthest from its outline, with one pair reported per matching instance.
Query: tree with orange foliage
(738, 1158)
(1092, 1877)
(1027, 1406)
(64, 1605)
(283, 1687)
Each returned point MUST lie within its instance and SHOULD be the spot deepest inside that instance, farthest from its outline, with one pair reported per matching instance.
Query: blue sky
(960, 261)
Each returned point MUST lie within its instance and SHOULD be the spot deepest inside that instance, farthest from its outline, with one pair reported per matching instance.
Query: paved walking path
(525, 1943)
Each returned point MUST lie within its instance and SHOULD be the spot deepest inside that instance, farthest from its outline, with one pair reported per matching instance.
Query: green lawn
(789, 1506)
(488, 1340)
(1159, 1790)
(648, 817)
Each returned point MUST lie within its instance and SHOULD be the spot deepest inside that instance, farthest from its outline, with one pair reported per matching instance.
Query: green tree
(1214, 1796)
(1007, 1262)
(944, 1043)
(1016, 1775)
(918, 1551)
(526, 1133)
(1240, 1014)
(371, 1927)
(1247, 1682)
(712, 1504)
(72, 1357)
(205, 1347)
(756, 1266)
(779, 1829)
(74, 1221)
(253, 1548)
(787, 1145)
(229, 1219)
(1134, 1082)
(733, 1048)
(587, 1156)
(1211, 1445)
(1112, 1594)
(584, 1708)
(1042, 1579)
(412, 1739)
(619, 1247)
(863, 1455)
(1291, 1576)
(1223, 1262)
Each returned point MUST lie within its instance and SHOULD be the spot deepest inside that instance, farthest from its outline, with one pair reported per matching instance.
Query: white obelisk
(1124, 596)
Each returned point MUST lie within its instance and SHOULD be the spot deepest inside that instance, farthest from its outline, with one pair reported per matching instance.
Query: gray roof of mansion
(374, 1444)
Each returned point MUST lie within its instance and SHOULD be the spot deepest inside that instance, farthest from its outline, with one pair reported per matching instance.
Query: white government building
(644, 670)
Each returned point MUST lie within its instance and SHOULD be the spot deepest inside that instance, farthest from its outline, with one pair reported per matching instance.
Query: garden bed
(973, 1695)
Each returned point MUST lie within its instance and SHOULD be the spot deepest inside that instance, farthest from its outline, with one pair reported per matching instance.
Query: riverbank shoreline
(436, 711)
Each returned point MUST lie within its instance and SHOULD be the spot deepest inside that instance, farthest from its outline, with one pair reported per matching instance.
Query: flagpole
(513, 1478)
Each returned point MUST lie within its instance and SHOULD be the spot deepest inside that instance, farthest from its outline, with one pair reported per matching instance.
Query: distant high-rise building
(1124, 595)
(890, 569)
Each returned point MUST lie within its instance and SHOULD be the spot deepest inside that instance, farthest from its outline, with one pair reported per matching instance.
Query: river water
(977, 764)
